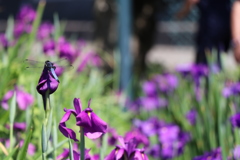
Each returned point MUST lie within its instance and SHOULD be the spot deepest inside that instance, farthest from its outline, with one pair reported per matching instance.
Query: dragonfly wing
(33, 64)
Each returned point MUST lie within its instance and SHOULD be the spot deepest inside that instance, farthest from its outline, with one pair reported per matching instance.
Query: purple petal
(47, 83)
(77, 105)
(49, 48)
(18, 126)
(93, 126)
(76, 155)
(139, 155)
(31, 148)
(27, 14)
(120, 153)
(98, 127)
(24, 99)
(45, 30)
(83, 119)
(7, 96)
(67, 115)
(64, 154)
(138, 136)
(67, 132)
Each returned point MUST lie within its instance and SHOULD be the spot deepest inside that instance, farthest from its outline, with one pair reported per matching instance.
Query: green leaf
(15, 150)
(13, 108)
(70, 149)
(49, 123)
(9, 29)
(23, 151)
(11, 119)
(44, 139)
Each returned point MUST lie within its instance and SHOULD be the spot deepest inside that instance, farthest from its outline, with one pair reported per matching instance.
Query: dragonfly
(48, 65)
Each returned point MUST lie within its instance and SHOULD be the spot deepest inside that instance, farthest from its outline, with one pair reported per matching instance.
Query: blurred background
(155, 29)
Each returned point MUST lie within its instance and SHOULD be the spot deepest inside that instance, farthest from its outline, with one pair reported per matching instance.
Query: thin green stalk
(11, 119)
(104, 146)
(44, 142)
(70, 149)
(11, 137)
(82, 144)
(55, 141)
(35, 25)
(46, 127)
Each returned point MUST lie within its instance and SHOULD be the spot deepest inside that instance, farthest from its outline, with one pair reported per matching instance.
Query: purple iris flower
(66, 50)
(45, 30)
(153, 102)
(18, 126)
(112, 136)
(91, 59)
(47, 83)
(199, 70)
(31, 148)
(93, 126)
(3, 41)
(21, 28)
(127, 150)
(133, 105)
(192, 116)
(49, 48)
(231, 89)
(149, 88)
(149, 127)
(236, 152)
(27, 14)
(213, 155)
(154, 151)
(184, 69)
(235, 120)
(166, 82)
(138, 136)
(172, 141)
(24, 100)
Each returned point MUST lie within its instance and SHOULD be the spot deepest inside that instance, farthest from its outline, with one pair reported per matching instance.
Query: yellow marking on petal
(142, 155)
(89, 114)
(116, 151)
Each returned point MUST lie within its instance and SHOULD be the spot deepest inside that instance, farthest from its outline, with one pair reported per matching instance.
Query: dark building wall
(66, 9)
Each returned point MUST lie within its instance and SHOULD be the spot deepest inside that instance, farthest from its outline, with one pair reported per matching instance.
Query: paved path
(172, 56)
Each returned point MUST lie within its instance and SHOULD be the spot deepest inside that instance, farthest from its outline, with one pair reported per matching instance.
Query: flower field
(58, 102)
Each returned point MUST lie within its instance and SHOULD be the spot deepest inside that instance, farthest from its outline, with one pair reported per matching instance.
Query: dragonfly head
(49, 64)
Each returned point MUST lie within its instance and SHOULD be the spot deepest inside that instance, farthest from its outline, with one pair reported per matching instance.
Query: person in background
(144, 30)
(213, 27)
(235, 27)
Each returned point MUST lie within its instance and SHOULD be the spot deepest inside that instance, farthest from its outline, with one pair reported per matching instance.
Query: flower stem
(47, 124)
(11, 137)
(11, 119)
(82, 144)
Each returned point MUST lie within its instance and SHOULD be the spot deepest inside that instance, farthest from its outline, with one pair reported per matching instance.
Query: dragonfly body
(49, 66)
